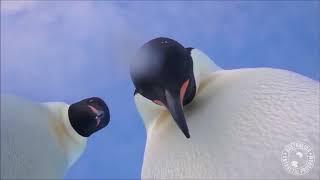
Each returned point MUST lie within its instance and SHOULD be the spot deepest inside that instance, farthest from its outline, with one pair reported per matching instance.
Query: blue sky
(67, 51)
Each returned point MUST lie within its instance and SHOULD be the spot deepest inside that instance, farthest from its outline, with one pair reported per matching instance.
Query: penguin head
(163, 74)
(88, 116)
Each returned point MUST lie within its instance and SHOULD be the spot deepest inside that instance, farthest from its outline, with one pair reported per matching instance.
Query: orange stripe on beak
(183, 90)
(94, 110)
(158, 102)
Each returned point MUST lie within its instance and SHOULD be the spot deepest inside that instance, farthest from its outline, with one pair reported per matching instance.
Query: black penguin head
(163, 73)
(88, 116)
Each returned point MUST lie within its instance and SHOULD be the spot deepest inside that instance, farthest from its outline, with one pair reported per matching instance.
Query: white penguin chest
(239, 123)
(28, 147)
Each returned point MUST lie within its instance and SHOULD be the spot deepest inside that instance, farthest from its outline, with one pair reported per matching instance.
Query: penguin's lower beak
(175, 108)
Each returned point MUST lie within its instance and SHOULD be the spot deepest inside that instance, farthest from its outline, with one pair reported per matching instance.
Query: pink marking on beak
(96, 112)
(183, 90)
(158, 102)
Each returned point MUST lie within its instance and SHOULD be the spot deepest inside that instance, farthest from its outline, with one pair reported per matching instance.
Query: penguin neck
(203, 66)
(72, 143)
(148, 110)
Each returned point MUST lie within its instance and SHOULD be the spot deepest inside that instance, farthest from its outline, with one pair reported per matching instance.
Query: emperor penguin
(42, 140)
(234, 123)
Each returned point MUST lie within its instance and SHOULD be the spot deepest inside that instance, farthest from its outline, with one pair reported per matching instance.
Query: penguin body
(237, 123)
(240, 122)
(37, 140)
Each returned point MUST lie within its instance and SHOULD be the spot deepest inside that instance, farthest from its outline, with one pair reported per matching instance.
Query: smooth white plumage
(240, 120)
(37, 140)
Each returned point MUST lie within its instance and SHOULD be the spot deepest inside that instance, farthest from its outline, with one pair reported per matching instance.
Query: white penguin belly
(239, 123)
(28, 146)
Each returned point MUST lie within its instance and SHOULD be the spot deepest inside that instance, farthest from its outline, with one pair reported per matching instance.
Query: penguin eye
(90, 101)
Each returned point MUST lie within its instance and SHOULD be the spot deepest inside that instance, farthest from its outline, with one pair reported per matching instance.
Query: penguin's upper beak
(99, 114)
(174, 106)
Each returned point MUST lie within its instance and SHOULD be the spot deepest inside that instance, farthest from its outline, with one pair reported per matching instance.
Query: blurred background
(67, 51)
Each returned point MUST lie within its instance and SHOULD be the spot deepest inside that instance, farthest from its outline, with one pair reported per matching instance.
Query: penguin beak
(174, 106)
(99, 114)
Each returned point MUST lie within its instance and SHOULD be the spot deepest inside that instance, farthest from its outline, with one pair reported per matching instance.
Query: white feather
(37, 140)
(239, 122)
